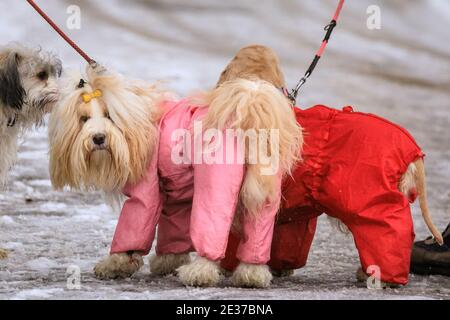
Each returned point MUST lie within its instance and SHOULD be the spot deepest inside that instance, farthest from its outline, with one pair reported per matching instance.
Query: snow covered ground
(401, 72)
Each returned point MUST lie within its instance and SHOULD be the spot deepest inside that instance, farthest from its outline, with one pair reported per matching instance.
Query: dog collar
(87, 97)
(288, 95)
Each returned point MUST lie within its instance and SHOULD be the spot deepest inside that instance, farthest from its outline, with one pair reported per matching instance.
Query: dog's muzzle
(99, 141)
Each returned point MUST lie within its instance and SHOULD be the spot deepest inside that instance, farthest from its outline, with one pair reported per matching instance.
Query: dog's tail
(260, 111)
(414, 179)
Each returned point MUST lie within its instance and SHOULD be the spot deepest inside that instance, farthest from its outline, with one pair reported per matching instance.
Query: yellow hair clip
(87, 97)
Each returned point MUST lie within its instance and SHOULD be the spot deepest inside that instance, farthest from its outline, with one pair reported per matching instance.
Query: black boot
(428, 257)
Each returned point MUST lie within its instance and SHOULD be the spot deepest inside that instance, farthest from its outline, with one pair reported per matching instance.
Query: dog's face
(28, 83)
(99, 149)
(103, 141)
(97, 130)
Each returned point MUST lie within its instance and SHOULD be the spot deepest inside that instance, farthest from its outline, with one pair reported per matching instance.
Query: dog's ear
(12, 93)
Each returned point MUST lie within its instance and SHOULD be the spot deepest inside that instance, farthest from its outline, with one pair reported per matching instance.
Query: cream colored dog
(102, 132)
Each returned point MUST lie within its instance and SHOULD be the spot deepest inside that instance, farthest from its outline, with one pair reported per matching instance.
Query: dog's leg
(252, 276)
(118, 265)
(3, 254)
(168, 263)
(200, 273)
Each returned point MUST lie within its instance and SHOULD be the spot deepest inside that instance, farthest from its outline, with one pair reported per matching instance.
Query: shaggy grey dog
(28, 90)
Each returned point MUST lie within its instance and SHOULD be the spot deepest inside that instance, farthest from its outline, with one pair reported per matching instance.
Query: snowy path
(399, 72)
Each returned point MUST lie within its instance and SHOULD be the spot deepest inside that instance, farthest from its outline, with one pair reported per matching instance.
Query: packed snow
(401, 72)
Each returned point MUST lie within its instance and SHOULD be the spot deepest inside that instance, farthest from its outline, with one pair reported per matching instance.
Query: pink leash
(329, 29)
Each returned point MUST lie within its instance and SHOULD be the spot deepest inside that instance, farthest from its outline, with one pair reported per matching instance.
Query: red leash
(329, 29)
(61, 33)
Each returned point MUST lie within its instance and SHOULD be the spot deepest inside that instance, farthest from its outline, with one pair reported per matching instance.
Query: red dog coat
(352, 166)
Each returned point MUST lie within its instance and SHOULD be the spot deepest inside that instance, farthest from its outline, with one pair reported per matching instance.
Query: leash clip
(294, 93)
(289, 95)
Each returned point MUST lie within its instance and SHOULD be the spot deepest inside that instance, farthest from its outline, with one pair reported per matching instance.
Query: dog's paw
(282, 273)
(168, 263)
(252, 276)
(118, 265)
(3, 254)
(200, 273)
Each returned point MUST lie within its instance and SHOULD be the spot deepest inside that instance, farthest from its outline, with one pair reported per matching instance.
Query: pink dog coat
(352, 166)
(193, 204)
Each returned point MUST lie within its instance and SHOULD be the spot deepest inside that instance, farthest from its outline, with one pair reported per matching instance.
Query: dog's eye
(84, 119)
(43, 75)
(108, 116)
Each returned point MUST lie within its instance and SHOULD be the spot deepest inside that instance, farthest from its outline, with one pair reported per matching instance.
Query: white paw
(3, 254)
(168, 263)
(200, 273)
(252, 276)
(118, 265)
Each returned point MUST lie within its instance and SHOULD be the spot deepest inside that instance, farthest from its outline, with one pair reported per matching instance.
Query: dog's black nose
(99, 139)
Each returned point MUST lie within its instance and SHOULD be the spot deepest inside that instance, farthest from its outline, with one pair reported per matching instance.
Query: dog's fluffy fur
(28, 90)
(252, 276)
(125, 116)
(414, 181)
(247, 97)
(255, 104)
(119, 265)
(168, 263)
(200, 273)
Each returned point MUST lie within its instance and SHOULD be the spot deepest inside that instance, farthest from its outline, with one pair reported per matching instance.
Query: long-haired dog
(103, 133)
(28, 90)
(237, 103)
